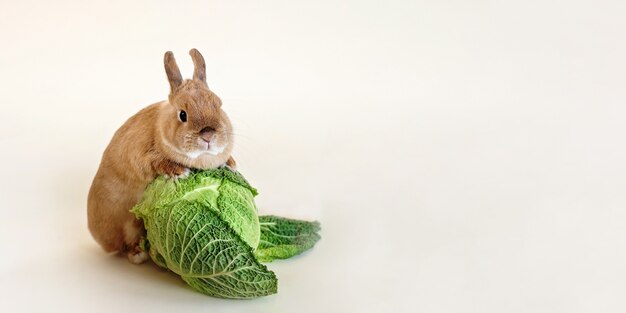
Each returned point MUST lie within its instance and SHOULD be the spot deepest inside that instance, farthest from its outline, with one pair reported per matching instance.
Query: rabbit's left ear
(199, 72)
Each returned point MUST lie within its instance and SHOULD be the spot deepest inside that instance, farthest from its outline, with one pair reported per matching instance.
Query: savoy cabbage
(206, 229)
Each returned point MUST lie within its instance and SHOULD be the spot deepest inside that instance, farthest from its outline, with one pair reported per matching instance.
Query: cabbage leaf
(206, 229)
(282, 238)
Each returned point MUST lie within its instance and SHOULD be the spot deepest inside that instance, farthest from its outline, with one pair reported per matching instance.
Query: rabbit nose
(207, 134)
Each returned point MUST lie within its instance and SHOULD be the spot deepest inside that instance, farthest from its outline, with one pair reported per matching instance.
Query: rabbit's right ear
(173, 73)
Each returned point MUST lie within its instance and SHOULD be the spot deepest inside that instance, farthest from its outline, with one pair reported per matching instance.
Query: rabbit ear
(199, 72)
(173, 73)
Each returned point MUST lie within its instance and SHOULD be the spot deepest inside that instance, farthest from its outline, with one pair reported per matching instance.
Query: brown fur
(155, 142)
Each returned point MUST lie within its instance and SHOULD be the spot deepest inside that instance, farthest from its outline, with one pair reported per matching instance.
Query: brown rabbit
(166, 138)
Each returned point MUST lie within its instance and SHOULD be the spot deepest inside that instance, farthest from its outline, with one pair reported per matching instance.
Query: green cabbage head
(206, 229)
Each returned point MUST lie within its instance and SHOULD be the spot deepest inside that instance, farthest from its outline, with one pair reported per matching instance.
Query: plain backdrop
(461, 156)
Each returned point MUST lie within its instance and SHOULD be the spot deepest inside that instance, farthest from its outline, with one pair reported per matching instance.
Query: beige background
(462, 156)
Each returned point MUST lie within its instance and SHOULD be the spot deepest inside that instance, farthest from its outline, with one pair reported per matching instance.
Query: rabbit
(189, 130)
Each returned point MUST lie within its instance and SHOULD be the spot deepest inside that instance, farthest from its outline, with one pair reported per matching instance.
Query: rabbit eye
(182, 116)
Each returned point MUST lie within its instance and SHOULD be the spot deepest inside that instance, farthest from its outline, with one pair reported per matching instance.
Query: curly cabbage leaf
(282, 238)
(225, 192)
(205, 228)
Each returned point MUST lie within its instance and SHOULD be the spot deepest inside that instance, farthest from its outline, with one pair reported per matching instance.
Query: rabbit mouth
(211, 149)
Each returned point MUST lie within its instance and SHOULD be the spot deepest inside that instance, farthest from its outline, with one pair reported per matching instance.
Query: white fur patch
(138, 258)
(215, 150)
(195, 154)
(185, 174)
